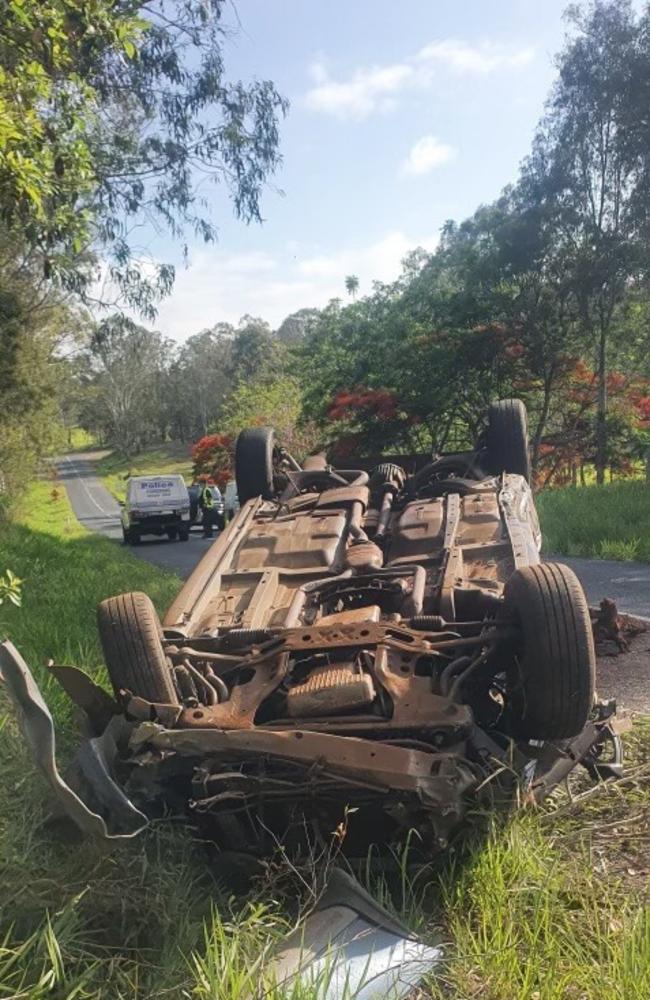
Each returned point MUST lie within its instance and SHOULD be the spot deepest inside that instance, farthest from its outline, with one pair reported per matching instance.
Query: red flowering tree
(213, 456)
(364, 419)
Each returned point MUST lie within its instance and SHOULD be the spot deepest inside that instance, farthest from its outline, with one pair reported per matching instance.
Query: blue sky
(402, 115)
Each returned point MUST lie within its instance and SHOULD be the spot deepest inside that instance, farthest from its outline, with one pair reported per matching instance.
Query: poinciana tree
(213, 457)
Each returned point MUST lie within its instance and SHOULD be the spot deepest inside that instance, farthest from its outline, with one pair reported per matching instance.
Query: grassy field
(547, 906)
(114, 469)
(603, 522)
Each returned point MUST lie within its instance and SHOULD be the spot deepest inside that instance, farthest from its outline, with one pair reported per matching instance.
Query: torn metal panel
(121, 820)
(351, 948)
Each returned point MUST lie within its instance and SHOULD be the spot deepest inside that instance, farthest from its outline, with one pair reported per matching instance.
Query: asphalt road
(627, 583)
(99, 511)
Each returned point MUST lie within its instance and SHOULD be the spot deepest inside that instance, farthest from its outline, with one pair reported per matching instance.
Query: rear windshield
(159, 489)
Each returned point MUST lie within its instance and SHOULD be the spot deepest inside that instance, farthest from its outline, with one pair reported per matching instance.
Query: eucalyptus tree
(589, 162)
(111, 111)
(126, 366)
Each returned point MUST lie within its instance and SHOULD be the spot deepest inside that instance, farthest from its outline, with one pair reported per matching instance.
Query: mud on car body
(380, 645)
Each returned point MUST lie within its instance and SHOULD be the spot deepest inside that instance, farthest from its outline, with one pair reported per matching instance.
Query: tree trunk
(601, 409)
(543, 417)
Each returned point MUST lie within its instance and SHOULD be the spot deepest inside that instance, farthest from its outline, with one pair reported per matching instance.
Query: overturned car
(359, 651)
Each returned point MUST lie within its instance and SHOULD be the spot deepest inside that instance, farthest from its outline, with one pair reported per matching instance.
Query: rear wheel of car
(507, 438)
(184, 534)
(172, 534)
(551, 681)
(131, 637)
(254, 463)
(126, 537)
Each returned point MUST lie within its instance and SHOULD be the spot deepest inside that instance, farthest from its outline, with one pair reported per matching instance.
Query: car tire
(254, 463)
(507, 439)
(131, 638)
(184, 534)
(551, 681)
(172, 534)
(126, 537)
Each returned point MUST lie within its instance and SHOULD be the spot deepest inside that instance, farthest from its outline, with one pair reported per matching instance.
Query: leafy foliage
(213, 456)
(10, 588)
(110, 110)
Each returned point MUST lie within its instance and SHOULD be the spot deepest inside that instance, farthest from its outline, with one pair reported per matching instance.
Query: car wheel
(184, 534)
(507, 438)
(254, 463)
(551, 680)
(172, 534)
(131, 637)
(126, 537)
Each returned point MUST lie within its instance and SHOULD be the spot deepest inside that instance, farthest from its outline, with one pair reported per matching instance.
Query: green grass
(602, 522)
(165, 458)
(555, 906)
(544, 906)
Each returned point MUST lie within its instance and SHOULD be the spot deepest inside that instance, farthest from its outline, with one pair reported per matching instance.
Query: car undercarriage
(362, 654)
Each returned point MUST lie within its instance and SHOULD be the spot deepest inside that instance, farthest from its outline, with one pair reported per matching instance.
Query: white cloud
(473, 59)
(223, 287)
(426, 154)
(376, 88)
(366, 91)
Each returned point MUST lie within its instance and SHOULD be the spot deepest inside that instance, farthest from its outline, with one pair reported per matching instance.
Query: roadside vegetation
(602, 522)
(551, 904)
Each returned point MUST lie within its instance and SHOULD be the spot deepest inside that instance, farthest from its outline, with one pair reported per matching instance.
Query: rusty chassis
(252, 787)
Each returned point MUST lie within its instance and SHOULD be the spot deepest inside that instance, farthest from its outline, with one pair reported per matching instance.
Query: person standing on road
(206, 503)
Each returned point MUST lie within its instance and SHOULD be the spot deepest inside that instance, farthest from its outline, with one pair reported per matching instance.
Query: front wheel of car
(131, 638)
(184, 534)
(551, 679)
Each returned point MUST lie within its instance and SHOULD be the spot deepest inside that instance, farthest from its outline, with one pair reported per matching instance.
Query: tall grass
(601, 522)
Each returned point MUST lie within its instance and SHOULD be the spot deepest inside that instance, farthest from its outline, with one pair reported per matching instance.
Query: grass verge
(555, 906)
(548, 906)
(602, 522)
(165, 458)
